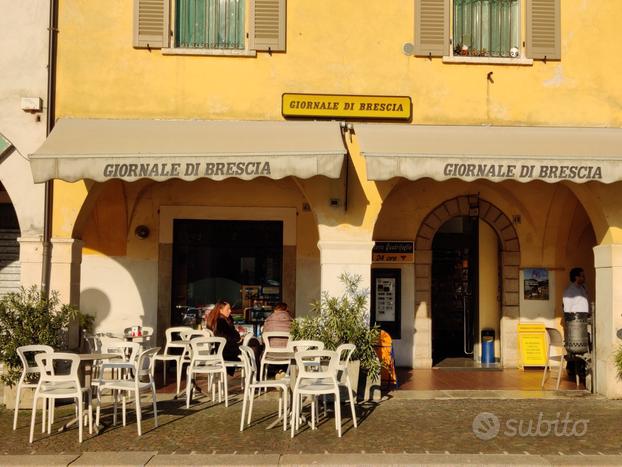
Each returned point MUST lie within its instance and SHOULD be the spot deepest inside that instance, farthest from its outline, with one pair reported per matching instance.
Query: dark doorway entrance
(455, 289)
(225, 260)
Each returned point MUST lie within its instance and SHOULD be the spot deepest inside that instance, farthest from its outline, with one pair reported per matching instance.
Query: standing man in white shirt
(575, 296)
(576, 306)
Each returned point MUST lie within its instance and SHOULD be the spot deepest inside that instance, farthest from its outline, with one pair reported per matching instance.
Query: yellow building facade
(506, 164)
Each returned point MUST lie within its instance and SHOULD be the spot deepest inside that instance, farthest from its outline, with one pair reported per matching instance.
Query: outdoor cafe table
(85, 373)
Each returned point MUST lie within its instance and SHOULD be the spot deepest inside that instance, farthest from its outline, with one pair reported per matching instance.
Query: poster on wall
(536, 284)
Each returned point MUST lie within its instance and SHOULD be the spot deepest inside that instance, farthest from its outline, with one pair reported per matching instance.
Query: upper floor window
(210, 24)
(238, 27)
(486, 28)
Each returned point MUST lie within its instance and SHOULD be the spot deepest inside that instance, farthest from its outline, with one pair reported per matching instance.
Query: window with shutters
(486, 28)
(210, 27)
(488, 31)
(210, 24)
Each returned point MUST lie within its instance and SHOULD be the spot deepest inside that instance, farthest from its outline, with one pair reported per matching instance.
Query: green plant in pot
(343, 319)
(27, 317)
(617, 360)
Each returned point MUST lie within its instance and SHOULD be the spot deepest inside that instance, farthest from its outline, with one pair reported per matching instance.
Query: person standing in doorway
(576, 307)
(575, 297)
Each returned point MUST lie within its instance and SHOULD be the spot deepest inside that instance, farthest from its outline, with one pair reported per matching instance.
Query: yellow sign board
(393, 252)
(532, 344)
(343, 106)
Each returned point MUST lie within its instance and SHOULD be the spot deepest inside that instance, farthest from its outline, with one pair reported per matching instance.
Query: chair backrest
(266, 336)
(207, 349)
(344, 354)
(300, 345)
(27, 354)
(175, 333)
(314, 371)
(94, 343)
(554, 339)
(48, 365)
(127, 350)
(145, 363)
(250, 365)
(247, 338)
(189, 334)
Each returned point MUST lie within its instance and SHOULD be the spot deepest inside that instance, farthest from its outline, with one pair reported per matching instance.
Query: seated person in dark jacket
(219, 321)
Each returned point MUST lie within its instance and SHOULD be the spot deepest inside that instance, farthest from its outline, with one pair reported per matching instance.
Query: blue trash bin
(488, 346)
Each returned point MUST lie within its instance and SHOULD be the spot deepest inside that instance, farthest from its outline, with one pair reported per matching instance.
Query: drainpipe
(346, 129)
(46, 258)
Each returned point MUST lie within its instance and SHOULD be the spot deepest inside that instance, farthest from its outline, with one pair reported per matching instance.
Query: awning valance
(469, 153)
(101, 150)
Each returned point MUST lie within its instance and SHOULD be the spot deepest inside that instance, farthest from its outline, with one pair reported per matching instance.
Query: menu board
(385, 298)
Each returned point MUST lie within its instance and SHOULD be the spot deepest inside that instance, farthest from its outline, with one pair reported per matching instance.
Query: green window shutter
(267, 25)
(431, 28)
(151, 23)
(543, 29)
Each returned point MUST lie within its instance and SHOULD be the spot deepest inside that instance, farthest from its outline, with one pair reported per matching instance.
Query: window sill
(488, 60)
(210, 52)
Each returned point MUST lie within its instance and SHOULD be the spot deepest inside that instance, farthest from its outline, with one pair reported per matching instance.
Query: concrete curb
(141, 458)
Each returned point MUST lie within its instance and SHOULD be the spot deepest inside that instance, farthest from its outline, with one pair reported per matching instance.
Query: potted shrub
(28, 317)
(344, 319)
(617, 360)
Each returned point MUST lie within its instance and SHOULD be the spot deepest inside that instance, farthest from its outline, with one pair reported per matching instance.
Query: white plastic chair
(274, 355)
(207, 359)
(344, 354)
(187, 336)
(141, 369)
(29, 369)
(251, 384)
(238, 363)
(127, 351)
(52, 386)
(172, 343)
(554, 342)
(316, 381)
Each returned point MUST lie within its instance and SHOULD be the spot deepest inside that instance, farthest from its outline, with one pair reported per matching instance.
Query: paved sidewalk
(402, 429)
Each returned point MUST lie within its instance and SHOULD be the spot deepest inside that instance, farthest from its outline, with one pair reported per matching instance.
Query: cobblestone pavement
(394, 425)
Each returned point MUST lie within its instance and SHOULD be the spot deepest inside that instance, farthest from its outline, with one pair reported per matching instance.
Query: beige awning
(492, 153)
(101, 150)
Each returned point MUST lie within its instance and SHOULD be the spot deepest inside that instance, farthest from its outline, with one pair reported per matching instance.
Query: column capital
(66, 250)
(608, 256)
(345, 252)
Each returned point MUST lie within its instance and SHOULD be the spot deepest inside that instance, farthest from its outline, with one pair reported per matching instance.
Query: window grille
(210, 24)
(486, 28)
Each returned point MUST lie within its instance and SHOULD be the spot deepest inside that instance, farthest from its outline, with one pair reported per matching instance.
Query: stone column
(608, 317)
(423, 310)
(337, 257)
(31, 260)
(65, 276)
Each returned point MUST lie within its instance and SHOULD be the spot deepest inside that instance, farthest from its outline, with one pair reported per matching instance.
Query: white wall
(119, 292)
(538, 311)
(23, 64)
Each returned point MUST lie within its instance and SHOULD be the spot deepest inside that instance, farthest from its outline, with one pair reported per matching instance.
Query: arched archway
(470, 206)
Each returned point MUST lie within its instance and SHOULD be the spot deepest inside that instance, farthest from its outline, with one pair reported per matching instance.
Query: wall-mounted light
(142, 232)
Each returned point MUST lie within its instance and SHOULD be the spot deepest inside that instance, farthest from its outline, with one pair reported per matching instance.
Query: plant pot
(353, 372)
(25, 401)
(368, 387)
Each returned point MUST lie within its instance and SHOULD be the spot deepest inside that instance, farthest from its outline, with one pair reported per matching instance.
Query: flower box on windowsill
(209, 52)
(487, 60)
